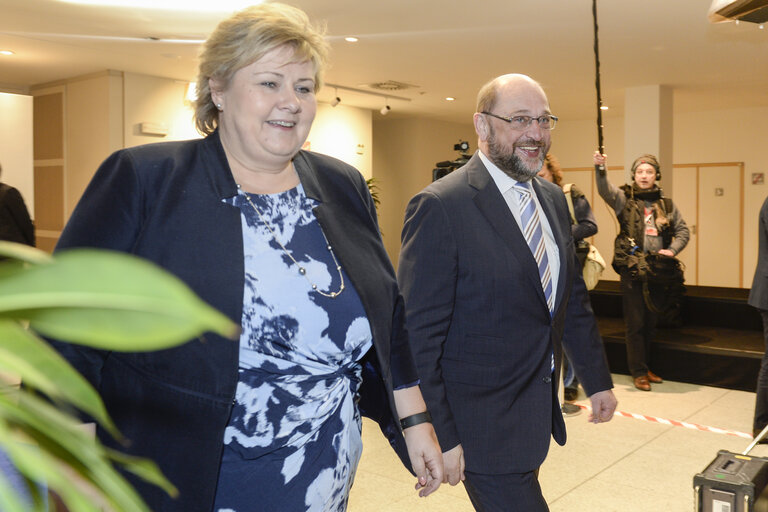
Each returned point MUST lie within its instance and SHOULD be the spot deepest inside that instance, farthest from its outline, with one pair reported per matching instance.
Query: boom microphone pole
(601, 146)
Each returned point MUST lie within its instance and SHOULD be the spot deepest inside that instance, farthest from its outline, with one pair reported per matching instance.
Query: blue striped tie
(534, 235)
(529, 216)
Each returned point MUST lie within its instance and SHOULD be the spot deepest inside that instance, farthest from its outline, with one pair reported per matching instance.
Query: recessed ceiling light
(603, 107)
(186, 5)
(450, 98)
(351, 39)
(6, 52)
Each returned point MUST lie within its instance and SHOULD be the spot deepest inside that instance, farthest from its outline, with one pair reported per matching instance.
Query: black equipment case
(732, 483)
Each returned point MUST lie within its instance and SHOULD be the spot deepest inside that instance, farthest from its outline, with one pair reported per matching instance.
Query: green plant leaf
(23, 252)
(42, 368)
(108, 300)
(145, 469)
(61, 441)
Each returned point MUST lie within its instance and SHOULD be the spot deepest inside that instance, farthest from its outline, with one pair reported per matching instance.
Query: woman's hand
(599, 159)
(426, 459)
(666, 252)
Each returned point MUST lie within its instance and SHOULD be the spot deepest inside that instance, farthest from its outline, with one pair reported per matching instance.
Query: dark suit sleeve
(106, 217)
(586, 225)
(427, 274)
(20, 228)
(582, 341)
(758, 294)
(109, 213)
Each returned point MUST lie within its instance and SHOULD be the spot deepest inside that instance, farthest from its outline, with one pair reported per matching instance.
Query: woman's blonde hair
(244, 38)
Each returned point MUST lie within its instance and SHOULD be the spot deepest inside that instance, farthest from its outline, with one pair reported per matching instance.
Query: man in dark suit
(15, 223)
(491, 280)
(758, 297)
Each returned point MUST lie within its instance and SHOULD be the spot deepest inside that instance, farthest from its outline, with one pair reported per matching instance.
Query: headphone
(647, 159)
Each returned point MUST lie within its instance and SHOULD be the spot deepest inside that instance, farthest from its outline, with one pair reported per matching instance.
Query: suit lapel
(494, 208)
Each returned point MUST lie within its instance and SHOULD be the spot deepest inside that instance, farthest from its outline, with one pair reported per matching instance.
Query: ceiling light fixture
(190, 93)
(186, 5)
(351, 39)
(450, 98)
(335, 101)
(6, 52)
(386, 108)
(603, 107)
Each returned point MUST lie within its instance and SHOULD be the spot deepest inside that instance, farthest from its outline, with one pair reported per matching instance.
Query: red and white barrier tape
(675, 423)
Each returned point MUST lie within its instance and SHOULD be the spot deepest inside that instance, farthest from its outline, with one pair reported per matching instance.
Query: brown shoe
(652, 377)
(642, 383)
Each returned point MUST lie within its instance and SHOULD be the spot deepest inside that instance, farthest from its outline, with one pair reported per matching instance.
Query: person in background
(584, 227)
(758, 297)
(15, 222)
(648, 223)
(286, 243)
(491, 280)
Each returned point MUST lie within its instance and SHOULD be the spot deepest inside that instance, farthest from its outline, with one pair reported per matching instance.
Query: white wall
(345, 133)
(16, 145)
(151, 99)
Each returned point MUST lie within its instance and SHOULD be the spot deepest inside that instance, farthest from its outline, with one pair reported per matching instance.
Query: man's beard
(512, 165)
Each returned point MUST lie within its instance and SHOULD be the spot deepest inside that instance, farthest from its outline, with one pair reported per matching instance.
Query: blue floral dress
(293, 440)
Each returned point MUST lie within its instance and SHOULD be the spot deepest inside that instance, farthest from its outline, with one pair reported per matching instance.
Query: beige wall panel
(719, 226)
(706, 137)
(406, 152)
(685, 184)
(151, 99)
(574, 141)
(48, 126)
(89, 132)
(49, 190)
(46, 243)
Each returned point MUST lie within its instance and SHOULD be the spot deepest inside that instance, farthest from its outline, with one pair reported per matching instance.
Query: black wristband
(415, 419)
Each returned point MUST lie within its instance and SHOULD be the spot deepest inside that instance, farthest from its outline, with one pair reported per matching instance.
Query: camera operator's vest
(630, 240)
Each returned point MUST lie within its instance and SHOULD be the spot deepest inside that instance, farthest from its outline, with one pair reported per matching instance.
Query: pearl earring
(218, 106)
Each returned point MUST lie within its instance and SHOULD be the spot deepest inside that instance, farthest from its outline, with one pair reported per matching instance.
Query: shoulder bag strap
(569, 200)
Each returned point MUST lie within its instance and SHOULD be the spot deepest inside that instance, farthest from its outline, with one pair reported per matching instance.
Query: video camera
(444, 168)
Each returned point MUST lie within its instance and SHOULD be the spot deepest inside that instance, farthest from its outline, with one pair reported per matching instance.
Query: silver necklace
(302, 270)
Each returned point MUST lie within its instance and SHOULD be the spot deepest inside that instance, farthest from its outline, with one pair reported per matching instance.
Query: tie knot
(523, 187)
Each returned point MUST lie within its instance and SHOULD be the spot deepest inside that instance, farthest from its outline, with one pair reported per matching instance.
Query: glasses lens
(550, 123)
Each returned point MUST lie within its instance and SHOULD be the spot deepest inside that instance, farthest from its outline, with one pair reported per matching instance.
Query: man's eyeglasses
(546, 122)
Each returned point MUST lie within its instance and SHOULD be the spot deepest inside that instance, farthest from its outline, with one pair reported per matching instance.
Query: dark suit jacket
(163, 202)
(15, 224)
(479, 325)
(758, 295)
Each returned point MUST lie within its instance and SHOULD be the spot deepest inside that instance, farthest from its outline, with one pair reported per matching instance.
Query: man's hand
(666, 252)
(453, 461)
(603, 406)
(424, 452)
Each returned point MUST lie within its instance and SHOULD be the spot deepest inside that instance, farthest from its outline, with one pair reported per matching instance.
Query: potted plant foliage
(92, 297)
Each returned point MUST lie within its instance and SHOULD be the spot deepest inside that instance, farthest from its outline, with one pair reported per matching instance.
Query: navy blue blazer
(758, 294)
(479, 325)
(163, 202)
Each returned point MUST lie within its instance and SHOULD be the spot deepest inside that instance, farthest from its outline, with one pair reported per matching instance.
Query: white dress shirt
(505, 184)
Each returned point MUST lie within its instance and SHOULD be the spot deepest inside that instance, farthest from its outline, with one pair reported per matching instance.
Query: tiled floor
(626, 465)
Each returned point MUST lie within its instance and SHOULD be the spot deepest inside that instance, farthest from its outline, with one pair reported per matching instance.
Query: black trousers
(761, 401)
(640, 325)
(511, 492)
